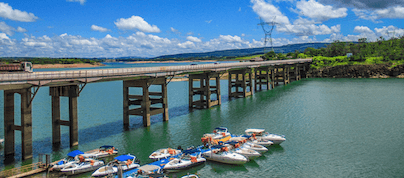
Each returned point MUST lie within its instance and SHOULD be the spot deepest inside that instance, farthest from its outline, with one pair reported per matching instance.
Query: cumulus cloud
(367, 15)
(21, 30)
(81, 1)
(318, 11)
(364, 4)
(391, 12)
(230, 39)
(194, 39)
(389, 31)
(9, 30)
(304, 27)
(8, 12)
(136, 22)
(362, 29)
(98, 28)
(268, 12)
(187, 44)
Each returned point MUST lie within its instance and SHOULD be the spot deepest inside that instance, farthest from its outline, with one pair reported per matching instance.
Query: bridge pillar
(282, 74)
(204, 91)
(242, 83)
(303, 69)
(71, 91)
(144, 103)
(25, 127)
(264, 76)
(295, 73)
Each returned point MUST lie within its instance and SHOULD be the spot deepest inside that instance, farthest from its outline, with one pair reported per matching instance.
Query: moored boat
(220, 134)
(188, 159)
(164, 153)
(220, 153)
(248, 153)
(82, 166)
(148, 170)
(260, 133)
(252, 146)
(127, 162)
(104, 151)
(72, 157)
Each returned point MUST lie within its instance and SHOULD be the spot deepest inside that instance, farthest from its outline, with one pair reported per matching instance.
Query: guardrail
(94, 73)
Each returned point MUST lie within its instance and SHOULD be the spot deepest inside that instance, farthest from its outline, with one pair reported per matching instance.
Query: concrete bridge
(71, 83)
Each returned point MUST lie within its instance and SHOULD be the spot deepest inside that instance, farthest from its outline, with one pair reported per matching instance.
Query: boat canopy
(221, 129)
(190, 151)
(75, 153)
(124, 157)
(232, 142)
(149, 168)
(217, 146)
(106, 146)
(254, 130)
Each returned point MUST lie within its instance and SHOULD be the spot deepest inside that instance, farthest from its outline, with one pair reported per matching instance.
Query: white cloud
(208, 21)
(308, 30)
(367, 15)
(187, 44)
(362, 29)
(396, 12)
(268, 12)
(21, 30)
(8, 12)
(98, 28)
(136, 22)
(319, 11)
(9, 30)
(230, 39)
(389, 32)
(194, 39)
(81, 1)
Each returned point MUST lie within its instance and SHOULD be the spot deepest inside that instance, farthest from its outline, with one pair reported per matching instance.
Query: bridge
(71, 83)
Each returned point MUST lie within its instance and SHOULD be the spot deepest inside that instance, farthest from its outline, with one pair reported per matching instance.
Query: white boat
(72, 157)
(256, 147)
(190, 176)
(189, 159)
(87, 165)
(260, 133)
(263, 142)
(220, 134)
(218, 153)
(104, 151)
(127, 162)
(235, 147)
(164, 153)
(148, 171)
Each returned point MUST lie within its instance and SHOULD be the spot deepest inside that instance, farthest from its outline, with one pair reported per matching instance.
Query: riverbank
(358, 71)
(170, 61)
(78, 65)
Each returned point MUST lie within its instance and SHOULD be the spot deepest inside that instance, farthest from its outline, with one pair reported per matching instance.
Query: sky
(120, 28)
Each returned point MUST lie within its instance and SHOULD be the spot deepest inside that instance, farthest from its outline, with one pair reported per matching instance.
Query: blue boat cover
(124, 157)
(232, 142)
(217, 146)
(106, 146)
(75, 153)
(191, 151)
(246, 136)
(221, 128)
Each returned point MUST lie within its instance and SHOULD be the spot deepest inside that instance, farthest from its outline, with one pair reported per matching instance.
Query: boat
(127, 162)
(256, 147)
(235, 147)
(190, 176)
(260, 133)
(220, 153)
(261, 141)
(85, 165)
(72, 157)
(148, 171)
(164, 153)
(188, 159)
(220, 134)
(104, 151)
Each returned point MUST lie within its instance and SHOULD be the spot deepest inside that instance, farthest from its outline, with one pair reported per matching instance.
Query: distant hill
(237, 52)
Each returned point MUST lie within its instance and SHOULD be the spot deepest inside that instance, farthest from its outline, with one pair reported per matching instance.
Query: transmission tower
(268, 32)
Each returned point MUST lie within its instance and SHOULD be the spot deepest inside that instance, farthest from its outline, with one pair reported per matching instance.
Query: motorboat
(72, 157)
(85, 165)
(148, 170)
(126, 162)
(104, 151)
(220, 153)
(260, 133)
(189, 158)
(235, 147)
(261, 141)
(164, 153)
(190, 176)
(220, 134)
(252, 146)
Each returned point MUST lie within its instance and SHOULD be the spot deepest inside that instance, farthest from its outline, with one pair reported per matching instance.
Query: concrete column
(272, 77)
(9, 136)
(191, 91)
(26, 123)
(125, 105)
(73, 116)
(56, 120)
(165, 102)
(207, 91)
(146, 106)
(250, 82)
(230, 84)
(219, 97)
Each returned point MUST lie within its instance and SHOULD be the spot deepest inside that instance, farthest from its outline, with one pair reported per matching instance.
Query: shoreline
(170, 61)
(54, 66)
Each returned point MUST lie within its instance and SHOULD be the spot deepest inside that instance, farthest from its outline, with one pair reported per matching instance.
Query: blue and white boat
(82, 166)
(127, 162)
(104, 151)
(236, 148)
(260, 133)
(164, 153)
(188, 159)
(72, 157)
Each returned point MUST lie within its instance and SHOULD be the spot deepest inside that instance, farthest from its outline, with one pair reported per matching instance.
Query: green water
(333, 127)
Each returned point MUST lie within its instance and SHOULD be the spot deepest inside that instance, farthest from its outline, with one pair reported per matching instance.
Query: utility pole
(268, 32)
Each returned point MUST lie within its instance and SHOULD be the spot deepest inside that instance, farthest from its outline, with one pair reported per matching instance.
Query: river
(333, 127)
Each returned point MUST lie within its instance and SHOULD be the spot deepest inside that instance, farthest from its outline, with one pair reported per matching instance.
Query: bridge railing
(92, 73)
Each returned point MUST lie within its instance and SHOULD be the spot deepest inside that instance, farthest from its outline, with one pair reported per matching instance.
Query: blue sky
(101, 28)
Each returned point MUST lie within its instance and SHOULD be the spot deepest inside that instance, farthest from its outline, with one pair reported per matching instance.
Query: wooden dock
(27, 170)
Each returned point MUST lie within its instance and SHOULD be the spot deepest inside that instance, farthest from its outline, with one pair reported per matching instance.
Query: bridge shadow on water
(45, 146)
